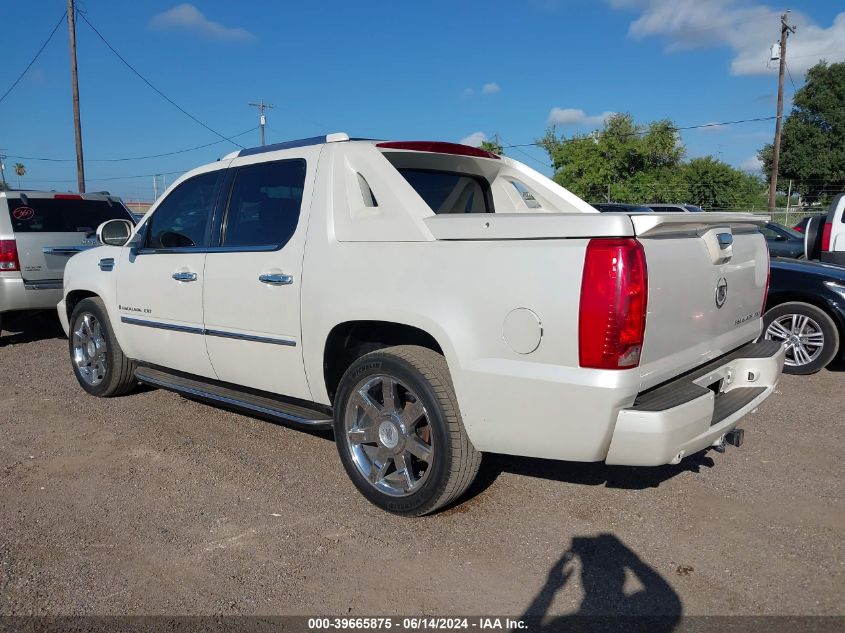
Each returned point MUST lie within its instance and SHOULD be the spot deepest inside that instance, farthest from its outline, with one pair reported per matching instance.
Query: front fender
(88, 273)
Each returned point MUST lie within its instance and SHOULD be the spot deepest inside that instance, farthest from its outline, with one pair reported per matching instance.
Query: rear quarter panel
(460, 292)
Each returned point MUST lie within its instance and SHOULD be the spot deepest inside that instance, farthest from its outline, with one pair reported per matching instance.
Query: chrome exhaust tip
(735, 437)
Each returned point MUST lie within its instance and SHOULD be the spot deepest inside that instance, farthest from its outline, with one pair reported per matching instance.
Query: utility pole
(785, 30)
(262, 120)
(77, 125)
(3, 172)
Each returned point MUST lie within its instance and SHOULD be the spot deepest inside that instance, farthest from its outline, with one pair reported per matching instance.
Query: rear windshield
(449, 191)
(48, 215)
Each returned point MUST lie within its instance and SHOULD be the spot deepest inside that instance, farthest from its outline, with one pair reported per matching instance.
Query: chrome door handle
(64, 250)
(185, 276)
(276, 279)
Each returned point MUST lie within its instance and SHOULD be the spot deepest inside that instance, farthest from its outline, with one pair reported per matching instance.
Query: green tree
(20, 170)
(713, 184)
(812, 151)
(628, 162)
(622, 156)
(493, 147)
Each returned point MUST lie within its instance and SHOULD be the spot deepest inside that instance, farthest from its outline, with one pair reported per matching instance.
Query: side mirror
(114, 232)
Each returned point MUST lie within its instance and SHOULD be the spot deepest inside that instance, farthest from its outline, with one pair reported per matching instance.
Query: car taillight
(612, 313)
(67, 196)
(826, 230)
(768, 280)
(9, 255)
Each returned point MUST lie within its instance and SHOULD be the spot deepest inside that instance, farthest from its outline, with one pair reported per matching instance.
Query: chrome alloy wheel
(804, 338)
(89, 349)
(389, 435)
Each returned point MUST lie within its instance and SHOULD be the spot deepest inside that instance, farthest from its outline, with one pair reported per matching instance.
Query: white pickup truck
(415, 298)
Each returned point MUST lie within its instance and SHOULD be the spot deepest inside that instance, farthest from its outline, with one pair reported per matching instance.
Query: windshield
(792, 233)
(56, 215)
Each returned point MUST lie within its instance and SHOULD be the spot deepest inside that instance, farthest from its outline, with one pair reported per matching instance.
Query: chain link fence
(788, 217)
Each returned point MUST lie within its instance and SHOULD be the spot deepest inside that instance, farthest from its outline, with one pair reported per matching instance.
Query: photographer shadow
(605, 562)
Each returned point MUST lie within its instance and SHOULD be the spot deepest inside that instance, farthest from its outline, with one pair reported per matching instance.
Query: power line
(159, 92)
(788, 72)
(524, 153)
(642, 132)
(40, 50)
(129, 158)
(109, 178)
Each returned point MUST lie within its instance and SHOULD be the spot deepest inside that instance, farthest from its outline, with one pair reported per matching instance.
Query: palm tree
(20, 170)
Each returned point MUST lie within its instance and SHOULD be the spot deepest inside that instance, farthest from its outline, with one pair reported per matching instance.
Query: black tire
(822, 323)
(119, 375)
(454, 461)
(813, 237)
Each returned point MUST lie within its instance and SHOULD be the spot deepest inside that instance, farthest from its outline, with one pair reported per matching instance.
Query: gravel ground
(154, 504)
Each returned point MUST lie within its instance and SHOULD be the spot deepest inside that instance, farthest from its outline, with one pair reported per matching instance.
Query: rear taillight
(611, 318)
(67, 196)
(768, 280)
(826, 230)
(9, 255)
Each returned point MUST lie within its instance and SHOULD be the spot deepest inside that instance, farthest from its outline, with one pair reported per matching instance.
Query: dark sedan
(783, 241)
(806, 310)
(621, 207)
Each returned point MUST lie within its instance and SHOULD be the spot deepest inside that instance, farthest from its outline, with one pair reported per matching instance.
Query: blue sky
(438, 69)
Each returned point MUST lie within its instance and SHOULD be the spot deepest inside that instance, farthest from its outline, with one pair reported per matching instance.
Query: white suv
(410, 296)
(39, 232)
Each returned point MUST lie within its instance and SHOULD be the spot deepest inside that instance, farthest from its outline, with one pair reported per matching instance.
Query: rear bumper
(833, 257)
(686, 415)
(16, 294)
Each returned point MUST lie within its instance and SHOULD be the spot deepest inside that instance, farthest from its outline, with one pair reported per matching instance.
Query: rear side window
(51, 215)
(182, 219)
(449, 191)
(264, 204)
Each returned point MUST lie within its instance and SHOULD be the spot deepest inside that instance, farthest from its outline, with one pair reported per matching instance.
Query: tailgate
(707, 275)
(51, 227)
(43, 255)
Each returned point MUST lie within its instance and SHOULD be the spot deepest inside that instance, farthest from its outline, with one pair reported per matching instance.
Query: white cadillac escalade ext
(430, 302)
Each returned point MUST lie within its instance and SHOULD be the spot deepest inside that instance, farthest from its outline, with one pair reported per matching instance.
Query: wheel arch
(817, 302)
(73, 298)
(813, 300)
(349, 340)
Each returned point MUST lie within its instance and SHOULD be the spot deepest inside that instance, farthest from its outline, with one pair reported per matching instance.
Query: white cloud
(576, 116)
(747, 28)
(490, 89)
(189, 18)
(468, 92)
(752, 164)
(713, 127)
(474, 140)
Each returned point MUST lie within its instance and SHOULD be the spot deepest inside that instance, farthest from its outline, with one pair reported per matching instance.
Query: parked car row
(658, 207)
(358, 286)
(814, 237)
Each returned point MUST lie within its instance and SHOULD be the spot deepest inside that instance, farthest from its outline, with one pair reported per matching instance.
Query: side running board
(236, 397)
